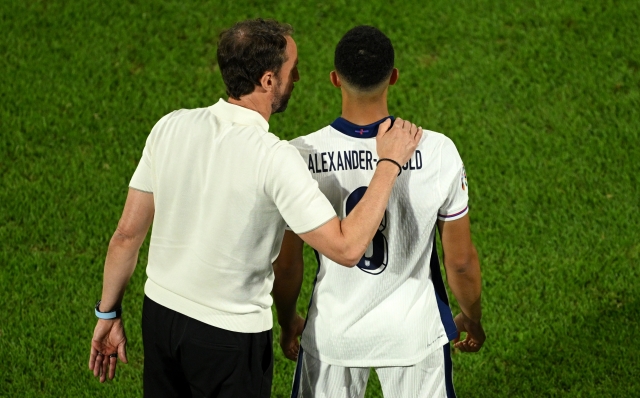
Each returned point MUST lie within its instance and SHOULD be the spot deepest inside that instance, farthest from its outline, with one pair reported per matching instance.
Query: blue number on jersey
(377, 262)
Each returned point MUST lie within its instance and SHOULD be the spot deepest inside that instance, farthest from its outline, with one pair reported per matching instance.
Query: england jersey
(391, 309)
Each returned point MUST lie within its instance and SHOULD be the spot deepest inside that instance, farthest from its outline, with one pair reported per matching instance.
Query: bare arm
(463, 275)
(288, 269)
(345, 241)
(124, 246)
(109, 340)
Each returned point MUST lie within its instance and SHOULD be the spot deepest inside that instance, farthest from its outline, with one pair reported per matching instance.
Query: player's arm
(288, 269)
(109, 337)
(345, 241)
(463, 275)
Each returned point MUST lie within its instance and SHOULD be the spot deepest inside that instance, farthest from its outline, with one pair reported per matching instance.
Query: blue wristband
(116, 313)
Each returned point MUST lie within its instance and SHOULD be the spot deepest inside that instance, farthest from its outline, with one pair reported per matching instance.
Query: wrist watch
(115, 313)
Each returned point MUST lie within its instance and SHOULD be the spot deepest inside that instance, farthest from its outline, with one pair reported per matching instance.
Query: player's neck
(255, 102)
(364, 110)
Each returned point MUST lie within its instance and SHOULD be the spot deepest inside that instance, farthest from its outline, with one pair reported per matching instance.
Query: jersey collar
(353, 130)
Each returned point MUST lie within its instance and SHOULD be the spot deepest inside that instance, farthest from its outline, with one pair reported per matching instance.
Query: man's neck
(362, 110)
(255, 103)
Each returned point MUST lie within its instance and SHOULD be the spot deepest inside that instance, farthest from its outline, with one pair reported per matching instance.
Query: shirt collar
(353, 130)
(238, 114)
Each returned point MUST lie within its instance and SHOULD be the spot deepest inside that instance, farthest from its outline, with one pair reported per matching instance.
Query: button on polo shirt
(223, 188)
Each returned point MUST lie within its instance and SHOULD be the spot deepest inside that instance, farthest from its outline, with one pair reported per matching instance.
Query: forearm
(360, 226)
(466, 285)
(288, 269)
(286, 289)
(345, 241)
(120, 263)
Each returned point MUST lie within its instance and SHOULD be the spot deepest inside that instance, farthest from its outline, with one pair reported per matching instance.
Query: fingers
(468, 345)
(292, 352)
(384, 127)
(418, 135)
(289, 342)
(113, 359)
(97, 363)
(475, 334)
(92, 357)
(104, 368)
(413, 129)
(405, 126)
(122, 352)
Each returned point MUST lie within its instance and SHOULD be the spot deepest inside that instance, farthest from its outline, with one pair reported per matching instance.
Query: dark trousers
(184, 357)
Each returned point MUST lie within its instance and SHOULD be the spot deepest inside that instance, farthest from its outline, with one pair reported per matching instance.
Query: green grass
(541, 97)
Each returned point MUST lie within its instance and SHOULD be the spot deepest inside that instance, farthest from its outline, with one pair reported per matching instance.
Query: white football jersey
(392, 308)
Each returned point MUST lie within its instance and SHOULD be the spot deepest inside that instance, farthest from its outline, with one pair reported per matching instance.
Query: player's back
(385, 311)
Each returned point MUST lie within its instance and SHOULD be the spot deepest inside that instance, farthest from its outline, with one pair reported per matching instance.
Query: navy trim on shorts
(448, 371)
(297, 376)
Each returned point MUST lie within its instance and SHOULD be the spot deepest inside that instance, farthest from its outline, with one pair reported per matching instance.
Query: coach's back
(221, 183)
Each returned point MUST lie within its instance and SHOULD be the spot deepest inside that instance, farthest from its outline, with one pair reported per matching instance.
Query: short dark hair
(364, 57)
(249, 49)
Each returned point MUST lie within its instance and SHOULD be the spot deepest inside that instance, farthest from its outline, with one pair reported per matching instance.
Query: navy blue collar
(353, 130)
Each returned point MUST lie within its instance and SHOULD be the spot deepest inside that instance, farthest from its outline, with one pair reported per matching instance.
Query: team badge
(463, 178)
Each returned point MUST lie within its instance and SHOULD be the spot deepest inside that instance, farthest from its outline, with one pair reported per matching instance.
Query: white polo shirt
(223, 188)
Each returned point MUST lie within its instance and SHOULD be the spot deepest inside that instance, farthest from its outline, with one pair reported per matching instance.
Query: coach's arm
(109, 339)
(463, 275)
(345, 241)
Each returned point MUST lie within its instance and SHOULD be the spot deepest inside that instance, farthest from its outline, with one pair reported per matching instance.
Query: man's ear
(394, 76)
(267, 81)
(335, 79)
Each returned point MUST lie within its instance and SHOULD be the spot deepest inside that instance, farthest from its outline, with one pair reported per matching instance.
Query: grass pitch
(541, 97)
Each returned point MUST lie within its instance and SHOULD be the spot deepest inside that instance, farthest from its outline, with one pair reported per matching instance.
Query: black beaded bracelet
(392, 161)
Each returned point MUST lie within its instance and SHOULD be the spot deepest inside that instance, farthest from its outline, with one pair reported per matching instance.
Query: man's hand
(398, 142)
(289, 338)
(475, 334)
(107, 345)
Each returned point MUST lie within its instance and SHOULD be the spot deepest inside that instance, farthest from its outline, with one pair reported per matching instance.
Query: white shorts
(430, 378)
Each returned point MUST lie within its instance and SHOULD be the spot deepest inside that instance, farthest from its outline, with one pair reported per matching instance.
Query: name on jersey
(324, 162)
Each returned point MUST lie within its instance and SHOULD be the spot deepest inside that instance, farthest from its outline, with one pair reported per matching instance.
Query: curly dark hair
(364, 57)
(249, 49)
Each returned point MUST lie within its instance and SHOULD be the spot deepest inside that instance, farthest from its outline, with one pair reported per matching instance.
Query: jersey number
(374, 260)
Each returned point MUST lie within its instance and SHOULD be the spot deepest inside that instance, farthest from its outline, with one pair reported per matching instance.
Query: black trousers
(184, 357)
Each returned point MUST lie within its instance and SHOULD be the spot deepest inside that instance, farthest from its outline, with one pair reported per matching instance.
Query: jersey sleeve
(295, 193)
(452, 184)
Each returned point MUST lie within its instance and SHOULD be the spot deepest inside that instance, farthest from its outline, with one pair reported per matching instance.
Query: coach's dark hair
(249, 49)
(364, 57)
